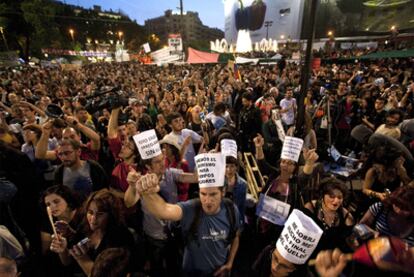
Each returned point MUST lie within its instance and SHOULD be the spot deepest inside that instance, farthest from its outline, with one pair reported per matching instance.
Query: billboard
(273, 19)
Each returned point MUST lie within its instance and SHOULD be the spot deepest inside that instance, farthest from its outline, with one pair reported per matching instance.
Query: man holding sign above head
(211, 224)
(283, 191)
(156, 230)
(298, 240)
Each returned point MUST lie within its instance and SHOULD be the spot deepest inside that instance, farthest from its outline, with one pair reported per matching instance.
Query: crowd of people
(69, 146)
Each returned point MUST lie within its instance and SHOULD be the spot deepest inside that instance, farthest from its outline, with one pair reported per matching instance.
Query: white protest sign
(146, 47)
(272, 210)
(210, 168)
(228, 148)
(299, 238)
(291, 148)
(147, 143)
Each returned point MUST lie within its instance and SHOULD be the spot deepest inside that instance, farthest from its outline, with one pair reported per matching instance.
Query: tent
(196, 56)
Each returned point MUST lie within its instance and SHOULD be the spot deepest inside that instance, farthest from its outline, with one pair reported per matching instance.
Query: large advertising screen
(272, 19)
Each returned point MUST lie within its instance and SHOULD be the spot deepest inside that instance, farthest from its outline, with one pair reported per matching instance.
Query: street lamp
(120, 34)
(4, 37)
(282, 37)
(267, 25)
(330, 33)
(72, 34)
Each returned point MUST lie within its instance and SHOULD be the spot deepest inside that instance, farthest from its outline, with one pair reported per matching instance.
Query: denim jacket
(238, 195)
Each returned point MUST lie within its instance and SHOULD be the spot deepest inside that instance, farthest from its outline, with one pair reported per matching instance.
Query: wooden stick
(49, 213)
(312, 262)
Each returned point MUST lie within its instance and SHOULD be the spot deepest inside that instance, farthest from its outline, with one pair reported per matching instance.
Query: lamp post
(268, 24)
(4, 38)
(72, 34)
(120, 34)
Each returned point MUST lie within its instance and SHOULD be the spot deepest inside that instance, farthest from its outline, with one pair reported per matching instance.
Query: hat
(299, 238)
(171, 140)
(211, 168)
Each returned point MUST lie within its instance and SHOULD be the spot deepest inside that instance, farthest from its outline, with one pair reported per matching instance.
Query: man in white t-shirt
(288, 108)
(176, 122)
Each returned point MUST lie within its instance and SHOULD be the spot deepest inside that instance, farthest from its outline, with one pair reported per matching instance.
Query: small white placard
(291, 148)
(148, 145)
(146, 47)
(210, 168)
(228, 148)
(272, 210)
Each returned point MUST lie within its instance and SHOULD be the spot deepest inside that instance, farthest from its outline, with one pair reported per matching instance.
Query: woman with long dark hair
(64, 205)
(102, 227)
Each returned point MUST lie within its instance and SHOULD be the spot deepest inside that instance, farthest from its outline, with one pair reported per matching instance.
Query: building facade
(189, 26)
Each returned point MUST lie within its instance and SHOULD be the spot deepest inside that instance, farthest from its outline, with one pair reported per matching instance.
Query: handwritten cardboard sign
(147, 143)
(210, 168)
(299, 238)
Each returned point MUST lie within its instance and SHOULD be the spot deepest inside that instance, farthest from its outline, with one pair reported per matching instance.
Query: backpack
(192, 234)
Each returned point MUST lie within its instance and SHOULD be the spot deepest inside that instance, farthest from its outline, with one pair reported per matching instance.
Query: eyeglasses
(65, 153)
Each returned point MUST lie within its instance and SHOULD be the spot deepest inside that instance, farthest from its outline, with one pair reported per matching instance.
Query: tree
(40, 14)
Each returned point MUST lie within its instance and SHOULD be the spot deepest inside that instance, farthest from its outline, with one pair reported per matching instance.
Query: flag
(237, 74)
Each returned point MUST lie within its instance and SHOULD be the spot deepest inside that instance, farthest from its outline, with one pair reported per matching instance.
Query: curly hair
(402, 197)
(329, 184)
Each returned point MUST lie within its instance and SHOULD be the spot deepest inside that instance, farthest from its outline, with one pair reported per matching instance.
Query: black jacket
(99, 178)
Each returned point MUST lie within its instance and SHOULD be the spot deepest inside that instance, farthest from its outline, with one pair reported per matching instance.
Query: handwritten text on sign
(291, 148)
(299, 238)
(147, 143)
(210, 169)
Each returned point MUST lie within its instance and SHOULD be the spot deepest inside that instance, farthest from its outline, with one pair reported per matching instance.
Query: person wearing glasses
(81, 176)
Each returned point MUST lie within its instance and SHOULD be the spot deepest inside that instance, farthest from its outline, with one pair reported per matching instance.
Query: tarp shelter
(195, 56)
(390, 54)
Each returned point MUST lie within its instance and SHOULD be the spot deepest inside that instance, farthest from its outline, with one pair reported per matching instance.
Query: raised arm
(40, 112)
(88, 132)
(113, 123)
(131, 196)
(41, 151)
(148, 187)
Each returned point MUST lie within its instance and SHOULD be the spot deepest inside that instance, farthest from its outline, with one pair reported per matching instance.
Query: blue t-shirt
(210, 252)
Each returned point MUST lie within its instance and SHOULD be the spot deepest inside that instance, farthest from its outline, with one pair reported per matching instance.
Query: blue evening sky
(211, 12)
